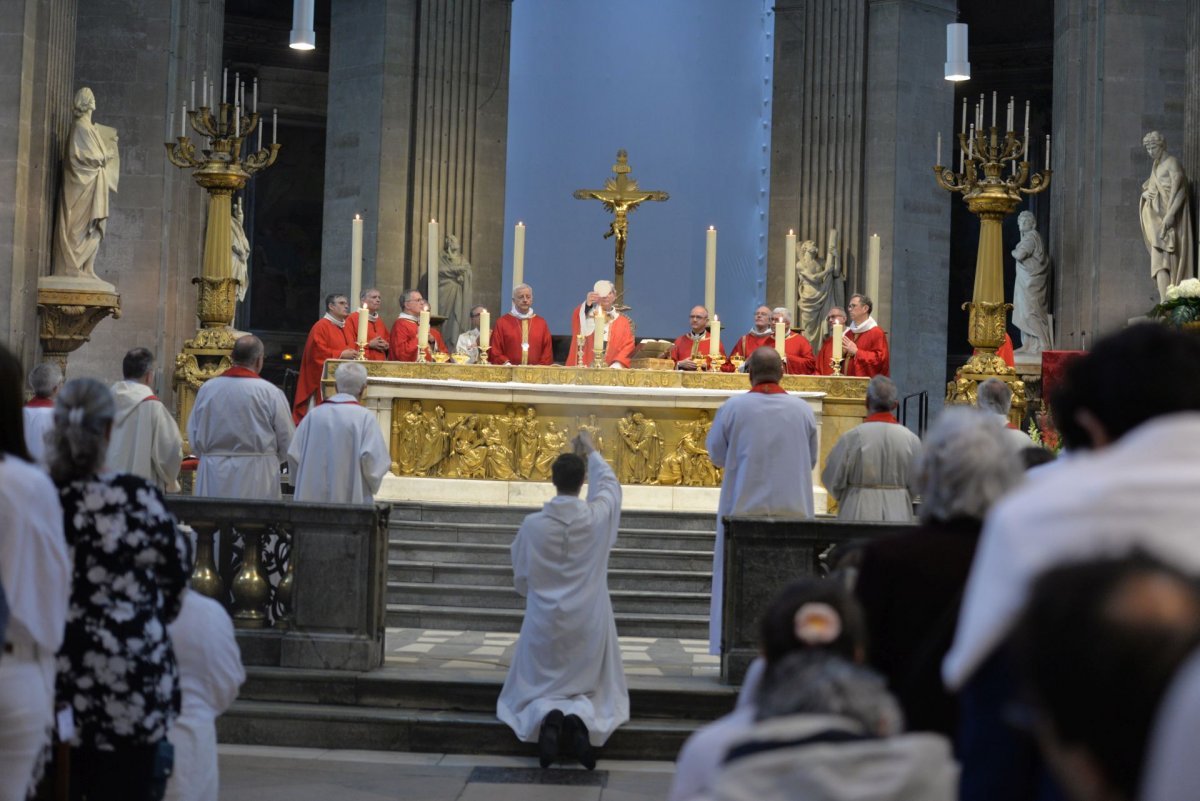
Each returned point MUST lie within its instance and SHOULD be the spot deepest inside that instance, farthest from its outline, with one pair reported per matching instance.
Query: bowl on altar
(459, 358)
(441, 358)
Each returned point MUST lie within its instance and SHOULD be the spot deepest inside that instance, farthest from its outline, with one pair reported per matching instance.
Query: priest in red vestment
(402, 347)
(328, 339)
(618, 331)
(864, 344)
(696, 345)
(521, 336)
(377, 330)
(824, 366)
(796, 348)
(761, 336)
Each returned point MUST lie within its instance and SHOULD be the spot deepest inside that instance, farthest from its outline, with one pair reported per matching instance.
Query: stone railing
(762, 556)
(304, 583)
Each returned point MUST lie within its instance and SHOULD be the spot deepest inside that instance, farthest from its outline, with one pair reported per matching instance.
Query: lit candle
(485, 329)
(789, 270)
(519, 254)
(356, 233)
(431, 265)
(780, 333)
(274, 126)
(838, 333)
(939, 150)
(710, 270)
(363, 315)
(714, 337)
(422, 331)
(872, 281)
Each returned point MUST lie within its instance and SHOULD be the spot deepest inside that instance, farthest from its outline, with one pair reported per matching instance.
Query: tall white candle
(993, 109)
(963, 127)
(237, 121)
(485, 329)
(224, 83)
(939, 150)
(971, 143)
(1025, 141)
(255, 108)
(193, 97)
(183, 122)
(363, 321)
(274, 126)
(600, 319)
(422, 332)
(838, 332)
(714, 337)
(710, 270)
(204, 87)
(780, 335)
(260, 136)
(356, 233)
(872, 281)
(1047, 151)
(519, 255)
(431, 264)
(789, 270)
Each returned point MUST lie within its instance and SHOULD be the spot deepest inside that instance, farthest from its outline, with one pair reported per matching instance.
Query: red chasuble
(799, 354)
(872, 358)
(824, 356)
(403, 346)
(375, 328)
(325, 341)
(686, 349)
(507, 338)
(620, 342)
(748, 343)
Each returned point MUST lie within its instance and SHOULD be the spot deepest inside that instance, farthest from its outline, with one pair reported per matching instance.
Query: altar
(487, 434)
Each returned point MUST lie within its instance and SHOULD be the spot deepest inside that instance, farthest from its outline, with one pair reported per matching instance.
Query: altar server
(766, 440)
(45, 381)
(403, 343)
(566, 682)
(618, 330)
(240, 428)
(145, 438)
(377, 330)
(210, 673)
(329, 338)
(338, 454)
(521, 336)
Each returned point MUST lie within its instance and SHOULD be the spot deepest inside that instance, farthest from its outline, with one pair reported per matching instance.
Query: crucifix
(620, 196)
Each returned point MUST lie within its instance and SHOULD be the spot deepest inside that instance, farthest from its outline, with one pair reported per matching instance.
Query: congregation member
(377, 346)
(468, 341)
(329, 338)
(1170, 770)
(35, 573)
(240, 428)
(618, 330)
(760, 336)
(910, 583)
(145, 438)
(338, 454)
(116, 668)
(45, 381)
(565, 688)
(1096, 648)
(824, 366)
(797, 351)
(691, 350)
(210, 674)
(1134, 401)
(995, 397)
(403, 342)
(766, 440)
(870, 469)
(864, 345)
(521, 336)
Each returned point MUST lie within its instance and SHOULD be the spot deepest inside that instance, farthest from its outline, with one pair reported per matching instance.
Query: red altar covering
(1054, 362)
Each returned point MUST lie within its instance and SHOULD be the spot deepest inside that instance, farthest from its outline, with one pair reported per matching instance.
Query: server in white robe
(766, 440)
(338, 454)
(567, 657)
(240, 428)
(145, 440)
(870, 470)
(45, 380)
(210, 673)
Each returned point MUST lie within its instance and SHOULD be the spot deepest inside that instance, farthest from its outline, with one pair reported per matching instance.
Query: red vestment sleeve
(799, 354)
(402, 346)
(506, 341)
(375, 328)
(872, 357)
(825, 357)
(325, 341)
(683, 348)
(620, 342)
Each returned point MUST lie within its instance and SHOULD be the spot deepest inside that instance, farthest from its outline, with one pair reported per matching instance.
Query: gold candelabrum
(221, 169)
(984, 155)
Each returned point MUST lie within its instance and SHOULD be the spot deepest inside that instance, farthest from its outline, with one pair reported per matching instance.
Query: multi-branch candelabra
(985, 154)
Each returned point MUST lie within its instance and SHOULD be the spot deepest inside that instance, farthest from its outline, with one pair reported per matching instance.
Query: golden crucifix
(620, 196)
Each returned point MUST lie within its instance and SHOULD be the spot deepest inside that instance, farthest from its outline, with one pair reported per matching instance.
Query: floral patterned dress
(116, 668)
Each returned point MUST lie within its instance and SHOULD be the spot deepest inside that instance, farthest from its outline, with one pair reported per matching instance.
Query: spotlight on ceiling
(957, 66)
(303, 35)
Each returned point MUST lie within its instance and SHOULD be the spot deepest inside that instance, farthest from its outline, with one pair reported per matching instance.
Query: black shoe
(548, 739)
(576, 735)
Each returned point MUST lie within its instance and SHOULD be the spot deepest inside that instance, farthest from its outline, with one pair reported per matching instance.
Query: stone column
(908, 103)
(37, 51)
(418, 119)
(1119, 72)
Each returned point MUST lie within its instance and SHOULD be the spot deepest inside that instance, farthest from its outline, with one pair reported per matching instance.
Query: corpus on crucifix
(620, 196)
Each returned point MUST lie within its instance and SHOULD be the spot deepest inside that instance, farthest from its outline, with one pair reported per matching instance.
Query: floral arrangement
(1043, 433)
(1182, 304)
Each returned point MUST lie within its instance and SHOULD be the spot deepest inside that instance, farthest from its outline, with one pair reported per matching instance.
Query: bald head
(698, 318)
(248, 352)
(764, 367)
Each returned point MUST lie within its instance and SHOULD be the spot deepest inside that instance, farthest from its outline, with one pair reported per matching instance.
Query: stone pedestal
(68, 310)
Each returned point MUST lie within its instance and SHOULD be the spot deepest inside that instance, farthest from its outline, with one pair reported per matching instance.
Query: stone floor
(257, 773)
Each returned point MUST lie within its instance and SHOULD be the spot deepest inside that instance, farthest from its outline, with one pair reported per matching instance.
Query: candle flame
(357, 217)
(711, 228)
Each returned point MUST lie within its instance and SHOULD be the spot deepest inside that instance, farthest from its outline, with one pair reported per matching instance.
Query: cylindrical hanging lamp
(958, 68)
(303, 35)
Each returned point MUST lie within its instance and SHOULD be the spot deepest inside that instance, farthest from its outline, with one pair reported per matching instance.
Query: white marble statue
(819, 287)
(241, 250)
(90, 170)
(454, 290)
(1030, 297)
(1166, 218)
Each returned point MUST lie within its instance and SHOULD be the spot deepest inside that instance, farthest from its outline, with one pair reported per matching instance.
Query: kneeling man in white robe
(338, 454)
(566, 681)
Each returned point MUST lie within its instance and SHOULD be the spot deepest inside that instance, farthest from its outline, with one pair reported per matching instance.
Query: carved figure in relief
(437, 440)
(1166, 217)
(454, 289)
(467, 451)
(412, 434)
(689, 463)
(498, 457)
(527, 436)
(592, 427)
(1030, 312)
(818, 287)
(641, 450)
(90, 170)
(554, 442)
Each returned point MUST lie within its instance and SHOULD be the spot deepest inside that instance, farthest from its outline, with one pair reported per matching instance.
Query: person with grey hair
(869, 471)
(145, 438)
(521, 336)
(240, 428)
(376, 349)
(910, 584)
(468, 341)
(864, 345)
(116, 668)
(797, 349)
(339, 454)
(45, 381)
(995, 397)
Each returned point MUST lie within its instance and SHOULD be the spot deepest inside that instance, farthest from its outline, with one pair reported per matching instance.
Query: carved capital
(66, 318)
(985, 327)
(218, 301)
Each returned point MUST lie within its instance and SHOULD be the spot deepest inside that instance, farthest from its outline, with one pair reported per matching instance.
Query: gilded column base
(66, 318)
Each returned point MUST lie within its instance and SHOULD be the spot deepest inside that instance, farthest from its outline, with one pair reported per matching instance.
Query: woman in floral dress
(116, 669)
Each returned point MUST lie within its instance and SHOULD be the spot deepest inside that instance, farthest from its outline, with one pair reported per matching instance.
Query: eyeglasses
(699, 316)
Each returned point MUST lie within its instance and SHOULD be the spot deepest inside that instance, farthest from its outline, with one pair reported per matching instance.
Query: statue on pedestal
(1030, 302)
(1166, 218)
(241, 251)
(454, 290)
(819, 287)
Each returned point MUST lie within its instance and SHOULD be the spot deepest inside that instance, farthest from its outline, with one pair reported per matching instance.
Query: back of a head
(882, 395)
(813, 613)
(1097, 646)
(994, 396)
(567, 473)
(764, 366)
(966, 465)
(821, 683)
(78, 443)
(12, 419)
(247, 351)
(1135, 375)
(44, 379)
(350, 378)
(137, 363)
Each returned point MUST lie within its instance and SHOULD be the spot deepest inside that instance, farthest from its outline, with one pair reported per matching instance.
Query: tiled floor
(256, 773)
(486, 653)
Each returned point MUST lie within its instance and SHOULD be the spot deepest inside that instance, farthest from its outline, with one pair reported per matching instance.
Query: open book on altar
(652, 349)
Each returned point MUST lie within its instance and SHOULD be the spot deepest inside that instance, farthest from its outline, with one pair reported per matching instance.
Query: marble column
(1120, 70)
(418, 120)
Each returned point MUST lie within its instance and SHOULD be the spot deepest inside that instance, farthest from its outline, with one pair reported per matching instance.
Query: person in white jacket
(145, 439)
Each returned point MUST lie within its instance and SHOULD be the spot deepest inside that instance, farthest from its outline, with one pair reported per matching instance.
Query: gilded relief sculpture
(641, 450)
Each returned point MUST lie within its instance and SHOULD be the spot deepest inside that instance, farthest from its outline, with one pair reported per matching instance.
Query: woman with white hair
(911, 584)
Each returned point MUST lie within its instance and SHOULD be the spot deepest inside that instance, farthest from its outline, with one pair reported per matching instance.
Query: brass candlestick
(836, 365)
(716, 363)
(580, 339)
